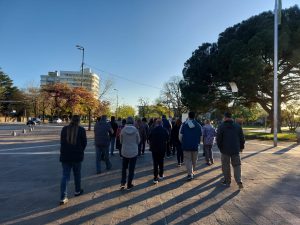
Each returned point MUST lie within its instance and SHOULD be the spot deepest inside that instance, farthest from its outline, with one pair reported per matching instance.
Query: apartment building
(89, 80)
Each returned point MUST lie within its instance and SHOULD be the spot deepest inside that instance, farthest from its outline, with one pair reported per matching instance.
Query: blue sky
(144, 41)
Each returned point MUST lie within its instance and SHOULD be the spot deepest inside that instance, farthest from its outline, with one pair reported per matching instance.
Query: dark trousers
(128, 162)
(141, 147)
(158, 164)
(179, 153)
(67, 167)
(208, 153)
(168, 152)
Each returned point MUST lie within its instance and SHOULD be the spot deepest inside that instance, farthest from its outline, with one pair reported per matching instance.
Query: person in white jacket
(130, 140)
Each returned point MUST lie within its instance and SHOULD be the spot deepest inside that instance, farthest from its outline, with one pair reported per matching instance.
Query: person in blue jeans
(102, 131)
(73, 143)
(130, 139)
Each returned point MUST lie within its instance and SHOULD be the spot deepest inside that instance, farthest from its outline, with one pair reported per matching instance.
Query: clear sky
(141, 40)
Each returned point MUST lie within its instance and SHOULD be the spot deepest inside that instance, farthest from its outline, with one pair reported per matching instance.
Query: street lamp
(79, 47)
(117, 102)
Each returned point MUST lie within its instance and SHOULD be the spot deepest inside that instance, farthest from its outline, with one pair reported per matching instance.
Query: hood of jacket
(190, 123)
(129, 129)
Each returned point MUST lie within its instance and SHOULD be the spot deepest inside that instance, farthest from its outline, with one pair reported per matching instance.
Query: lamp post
(117, 102)
(79, 47)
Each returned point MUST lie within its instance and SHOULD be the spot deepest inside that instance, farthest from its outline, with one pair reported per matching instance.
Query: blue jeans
(67, 166)
(131, 163)
(112, 145)
(102, 151)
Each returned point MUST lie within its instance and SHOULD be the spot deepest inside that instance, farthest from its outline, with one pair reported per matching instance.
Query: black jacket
(230, 138)
(158, 138)
(69, 152)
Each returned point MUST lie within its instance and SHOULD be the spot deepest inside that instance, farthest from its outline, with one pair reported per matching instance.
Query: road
(30, 174)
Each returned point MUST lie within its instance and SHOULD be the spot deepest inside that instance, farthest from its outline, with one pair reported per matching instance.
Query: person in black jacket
(73, 142)
(175, 141)
(158, 139)
(230, 141)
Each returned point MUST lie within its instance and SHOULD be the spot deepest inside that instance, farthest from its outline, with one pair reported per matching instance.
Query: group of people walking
(164, 138)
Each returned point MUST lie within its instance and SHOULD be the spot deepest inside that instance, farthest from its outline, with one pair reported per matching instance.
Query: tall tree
(244, 55)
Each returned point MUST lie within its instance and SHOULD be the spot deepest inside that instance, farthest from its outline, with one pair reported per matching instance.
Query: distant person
(145, 137)
(118, 141)
(130, 140)
(73, 143)
(190, 137)
(102, 131)
(158, 139)
(114, 126)
(141, 126)
(209, 134)
(230, 141)
(167, 125)
(175, 141)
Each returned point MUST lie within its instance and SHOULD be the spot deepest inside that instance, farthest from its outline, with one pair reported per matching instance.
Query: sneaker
(179, 164)
(155, 181)
(225, 183)
(208, 163)
(63, 201)
(161, 177)
(189, 177)
(122, 186)
(241, 186)
(78, 193)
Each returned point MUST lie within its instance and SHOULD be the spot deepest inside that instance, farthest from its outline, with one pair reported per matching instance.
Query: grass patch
(267, 136)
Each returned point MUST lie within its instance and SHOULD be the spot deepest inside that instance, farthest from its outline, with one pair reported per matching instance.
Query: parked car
(33, 121)
(57, 120)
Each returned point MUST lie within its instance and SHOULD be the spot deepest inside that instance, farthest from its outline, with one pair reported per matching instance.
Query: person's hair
(163, 117)
(130, 120)
(144, 119)
(158, 122)
(72, 130)
(112, 118)
(178, 122)
(207, 121)
(227, 115)
(191, 115)
(123, 121)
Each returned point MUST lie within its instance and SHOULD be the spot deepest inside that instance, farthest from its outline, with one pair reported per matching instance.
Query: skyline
(142, 42)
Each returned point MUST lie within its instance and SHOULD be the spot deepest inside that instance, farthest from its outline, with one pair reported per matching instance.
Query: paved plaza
(30, 175)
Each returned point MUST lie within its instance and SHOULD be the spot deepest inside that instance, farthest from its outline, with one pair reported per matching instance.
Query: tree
(11, 98)
(291, 115)
(125, 110)
(171, 96)
(143, 107)
(244, 54)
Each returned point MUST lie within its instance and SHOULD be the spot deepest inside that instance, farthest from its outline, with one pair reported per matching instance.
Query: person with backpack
(190, 137)
(73, 142)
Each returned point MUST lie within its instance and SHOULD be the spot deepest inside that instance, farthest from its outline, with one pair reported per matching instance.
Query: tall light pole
(82, 62)
(117, 102)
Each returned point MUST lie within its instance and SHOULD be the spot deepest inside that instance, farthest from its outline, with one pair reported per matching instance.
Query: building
(89, 80)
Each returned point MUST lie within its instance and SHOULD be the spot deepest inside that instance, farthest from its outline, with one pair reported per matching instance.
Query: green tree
(244, 55)
(125, 110)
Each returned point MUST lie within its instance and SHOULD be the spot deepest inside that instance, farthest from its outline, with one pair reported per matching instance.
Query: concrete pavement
(30, 175)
